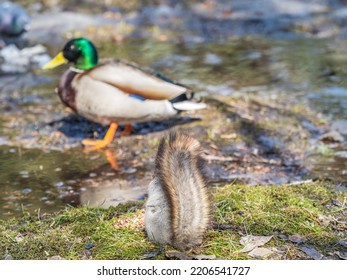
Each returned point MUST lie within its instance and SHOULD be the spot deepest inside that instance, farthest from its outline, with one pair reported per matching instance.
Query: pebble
(332, 137)
(212, 59)
(26, 191)
(340, 126)
(89, 245)
(130, 171)
(59, 184)
(341, 154)
(24, 173)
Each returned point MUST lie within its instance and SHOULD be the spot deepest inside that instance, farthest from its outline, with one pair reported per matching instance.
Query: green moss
(279, 210)
(118, 233)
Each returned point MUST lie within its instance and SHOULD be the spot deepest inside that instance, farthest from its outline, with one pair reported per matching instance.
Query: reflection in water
(107, 193)
(111, 158)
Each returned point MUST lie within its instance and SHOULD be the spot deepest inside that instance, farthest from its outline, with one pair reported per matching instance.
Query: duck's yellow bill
(58, 60)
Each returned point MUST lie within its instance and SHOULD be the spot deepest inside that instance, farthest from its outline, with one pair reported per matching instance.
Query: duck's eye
(72, 53)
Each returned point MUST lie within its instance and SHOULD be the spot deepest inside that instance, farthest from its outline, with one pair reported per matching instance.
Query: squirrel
(178, 207)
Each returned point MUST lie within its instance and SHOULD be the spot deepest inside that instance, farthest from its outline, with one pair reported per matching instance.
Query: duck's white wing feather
(130, 79)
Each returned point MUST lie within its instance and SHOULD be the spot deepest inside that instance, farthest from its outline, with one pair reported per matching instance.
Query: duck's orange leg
(99, 144)
(127, 130)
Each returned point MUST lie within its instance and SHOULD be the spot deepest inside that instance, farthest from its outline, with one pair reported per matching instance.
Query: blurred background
(273, 73)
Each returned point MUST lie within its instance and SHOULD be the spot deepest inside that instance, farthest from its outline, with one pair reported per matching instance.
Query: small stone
(340, 126)
(332, 137)
(336, 203)
(87, 253)
(130, 171)
(212, 59)
(89, 245)
(59, 184)
(26, 191)
(19, 238)
(94, 157)
(341, 154)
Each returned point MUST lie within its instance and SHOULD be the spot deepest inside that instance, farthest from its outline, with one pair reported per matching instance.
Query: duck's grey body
(177, 210)
(106, 94)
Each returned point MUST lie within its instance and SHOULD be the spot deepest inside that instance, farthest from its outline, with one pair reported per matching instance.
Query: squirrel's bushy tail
(178, 173)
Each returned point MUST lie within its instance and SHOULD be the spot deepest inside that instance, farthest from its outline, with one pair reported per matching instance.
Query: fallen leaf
(260, 253)
(326, 220)
(8, 257)
(296, 238)
(55, 258)
(311, 252)
(342, 255)
(177, 255)
(343, 242)
(251, 242)
(204, 257)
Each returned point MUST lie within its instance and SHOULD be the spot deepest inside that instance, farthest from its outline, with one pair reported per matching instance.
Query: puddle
(33, 180)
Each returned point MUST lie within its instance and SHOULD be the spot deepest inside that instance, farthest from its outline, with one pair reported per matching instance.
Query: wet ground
(277, 111)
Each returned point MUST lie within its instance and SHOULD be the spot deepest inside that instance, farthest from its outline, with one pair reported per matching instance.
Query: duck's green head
(81, 52)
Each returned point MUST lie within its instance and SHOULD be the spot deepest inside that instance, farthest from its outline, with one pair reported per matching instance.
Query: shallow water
(50, 177)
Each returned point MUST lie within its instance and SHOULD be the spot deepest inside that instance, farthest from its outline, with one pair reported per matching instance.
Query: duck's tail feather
(188, 105)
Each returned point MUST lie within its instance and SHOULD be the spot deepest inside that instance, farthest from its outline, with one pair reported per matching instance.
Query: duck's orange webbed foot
(92, 145)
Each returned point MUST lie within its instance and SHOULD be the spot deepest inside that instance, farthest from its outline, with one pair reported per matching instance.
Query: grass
(118, 232)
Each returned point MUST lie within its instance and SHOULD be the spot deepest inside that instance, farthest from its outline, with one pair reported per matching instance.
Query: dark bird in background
(14, 21)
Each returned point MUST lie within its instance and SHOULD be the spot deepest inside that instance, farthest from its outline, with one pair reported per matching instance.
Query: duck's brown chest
(66, 91)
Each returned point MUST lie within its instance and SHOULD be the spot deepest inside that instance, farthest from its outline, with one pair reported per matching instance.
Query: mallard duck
(115, 91)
